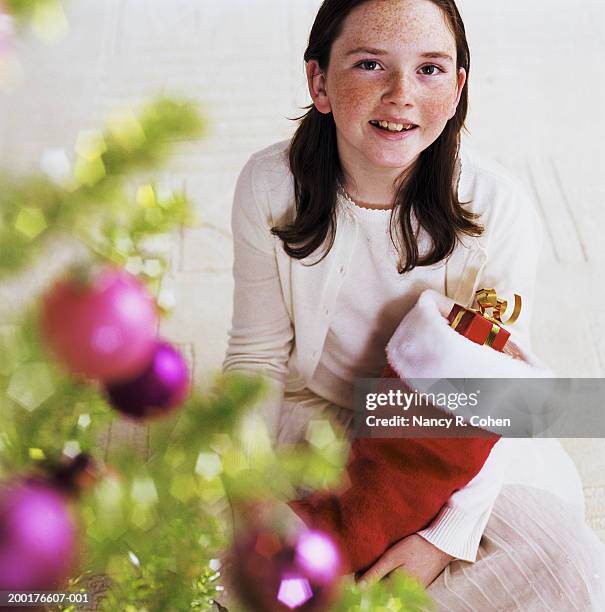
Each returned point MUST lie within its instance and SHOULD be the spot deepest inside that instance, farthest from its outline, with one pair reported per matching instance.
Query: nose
(399, 89)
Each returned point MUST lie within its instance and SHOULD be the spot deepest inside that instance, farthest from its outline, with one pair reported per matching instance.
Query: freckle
(404, 19)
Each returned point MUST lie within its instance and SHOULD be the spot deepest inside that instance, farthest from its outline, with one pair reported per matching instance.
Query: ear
(459, 88)
(316, 82)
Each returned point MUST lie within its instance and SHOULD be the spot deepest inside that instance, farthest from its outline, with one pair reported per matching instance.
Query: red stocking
(396, 486)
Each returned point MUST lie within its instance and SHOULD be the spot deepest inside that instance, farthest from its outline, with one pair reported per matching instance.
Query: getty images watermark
(515, 408)
(413, 402)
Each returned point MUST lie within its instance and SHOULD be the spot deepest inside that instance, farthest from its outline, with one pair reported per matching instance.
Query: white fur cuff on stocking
(425, 346)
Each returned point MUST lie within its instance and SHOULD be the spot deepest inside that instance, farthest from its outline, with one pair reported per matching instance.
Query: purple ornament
(161, 387)
(273, 574)
(37, 537)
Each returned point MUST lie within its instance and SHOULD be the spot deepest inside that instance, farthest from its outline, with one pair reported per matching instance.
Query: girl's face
(384, 67)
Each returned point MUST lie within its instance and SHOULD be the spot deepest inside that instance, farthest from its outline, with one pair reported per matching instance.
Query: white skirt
(535, 555)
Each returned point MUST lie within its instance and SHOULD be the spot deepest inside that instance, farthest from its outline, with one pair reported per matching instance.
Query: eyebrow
(372, 51)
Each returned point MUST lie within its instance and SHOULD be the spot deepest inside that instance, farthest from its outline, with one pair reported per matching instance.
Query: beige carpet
(588, 455)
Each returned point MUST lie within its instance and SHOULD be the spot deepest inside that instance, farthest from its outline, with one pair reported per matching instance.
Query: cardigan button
(342, 270)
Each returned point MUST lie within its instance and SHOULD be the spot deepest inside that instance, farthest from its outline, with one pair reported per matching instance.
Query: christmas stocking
(394, 487)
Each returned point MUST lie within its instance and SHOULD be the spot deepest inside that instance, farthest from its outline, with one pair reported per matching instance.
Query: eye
(431, 66)
(368, 63)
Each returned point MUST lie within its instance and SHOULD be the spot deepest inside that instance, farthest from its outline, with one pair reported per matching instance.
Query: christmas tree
(83, 351)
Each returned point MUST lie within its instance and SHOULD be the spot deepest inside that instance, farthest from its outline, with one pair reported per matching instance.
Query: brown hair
(428, 191)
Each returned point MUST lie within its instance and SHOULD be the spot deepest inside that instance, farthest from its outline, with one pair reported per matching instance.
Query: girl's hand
(511, 349)
(413, 554)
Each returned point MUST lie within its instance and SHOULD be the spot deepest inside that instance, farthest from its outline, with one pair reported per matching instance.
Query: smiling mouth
(393, 127)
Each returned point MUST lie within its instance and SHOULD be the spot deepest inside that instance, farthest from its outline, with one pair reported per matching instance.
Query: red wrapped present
(481, 327)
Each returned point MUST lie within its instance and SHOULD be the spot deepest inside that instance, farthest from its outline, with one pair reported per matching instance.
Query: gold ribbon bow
(488, 300)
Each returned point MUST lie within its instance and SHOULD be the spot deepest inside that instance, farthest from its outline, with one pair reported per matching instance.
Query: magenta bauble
(37, 537)
(273, 574)
(158, 390)
(318, 555)
(103, 327)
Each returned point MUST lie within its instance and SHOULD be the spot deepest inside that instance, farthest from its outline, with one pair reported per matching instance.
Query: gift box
(484, 325)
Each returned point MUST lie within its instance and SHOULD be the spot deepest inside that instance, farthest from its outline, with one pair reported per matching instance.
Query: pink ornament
(272, 574)
(318, 555)
(103, 329)
(160, 388)
(37, 537)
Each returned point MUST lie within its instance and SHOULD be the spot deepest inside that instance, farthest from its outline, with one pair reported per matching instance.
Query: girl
(339, 231)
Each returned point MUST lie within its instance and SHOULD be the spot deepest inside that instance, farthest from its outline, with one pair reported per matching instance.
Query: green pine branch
(24, 9)
(96, 204)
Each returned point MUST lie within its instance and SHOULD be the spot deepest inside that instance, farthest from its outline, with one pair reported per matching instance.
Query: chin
(393, 161)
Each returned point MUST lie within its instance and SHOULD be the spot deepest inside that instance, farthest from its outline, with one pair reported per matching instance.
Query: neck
(373, 193)
(369, 205)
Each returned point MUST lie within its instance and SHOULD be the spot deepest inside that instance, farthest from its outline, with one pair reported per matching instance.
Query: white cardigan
(282, 307)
